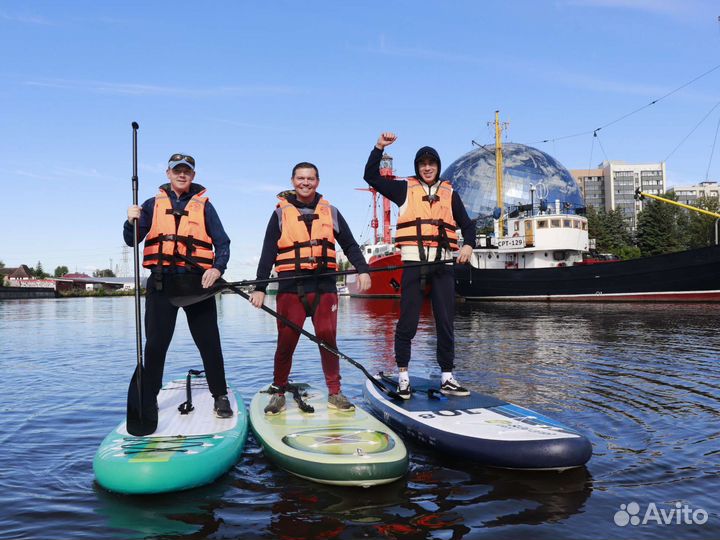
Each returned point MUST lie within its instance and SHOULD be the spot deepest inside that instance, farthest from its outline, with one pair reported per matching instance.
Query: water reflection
(641, 381)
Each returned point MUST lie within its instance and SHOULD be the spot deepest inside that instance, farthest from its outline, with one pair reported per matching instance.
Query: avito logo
(680, 514)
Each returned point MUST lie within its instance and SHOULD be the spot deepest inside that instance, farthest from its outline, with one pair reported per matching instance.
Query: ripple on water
(641, 381)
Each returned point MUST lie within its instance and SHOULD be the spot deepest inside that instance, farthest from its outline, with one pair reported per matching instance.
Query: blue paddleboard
(480, 428)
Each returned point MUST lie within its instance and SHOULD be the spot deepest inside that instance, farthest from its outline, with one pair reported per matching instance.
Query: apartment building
(612, 185)
(690, 194)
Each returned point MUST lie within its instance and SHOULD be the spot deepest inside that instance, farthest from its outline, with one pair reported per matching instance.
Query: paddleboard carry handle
(434, 393)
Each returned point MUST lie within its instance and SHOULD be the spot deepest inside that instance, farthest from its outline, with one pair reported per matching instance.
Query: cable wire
(707, 172)
(623, 117)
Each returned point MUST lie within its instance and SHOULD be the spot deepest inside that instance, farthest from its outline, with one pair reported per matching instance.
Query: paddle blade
(142, 413)
(186, 289)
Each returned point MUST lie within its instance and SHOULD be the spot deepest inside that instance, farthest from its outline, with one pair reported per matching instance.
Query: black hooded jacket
(396, 190)
(427, 151)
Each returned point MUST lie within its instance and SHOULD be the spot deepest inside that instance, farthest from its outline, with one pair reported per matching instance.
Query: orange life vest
(300, 250)
(188, 238)
(427, 221)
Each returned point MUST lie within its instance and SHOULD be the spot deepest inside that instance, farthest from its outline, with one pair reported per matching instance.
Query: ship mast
(499, 171)
(386, 170)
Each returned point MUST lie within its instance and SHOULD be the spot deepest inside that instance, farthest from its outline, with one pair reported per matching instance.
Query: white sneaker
(453, 388)
(404, 390)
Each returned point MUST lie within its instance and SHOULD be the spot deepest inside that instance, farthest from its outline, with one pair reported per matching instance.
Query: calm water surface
(642, 381)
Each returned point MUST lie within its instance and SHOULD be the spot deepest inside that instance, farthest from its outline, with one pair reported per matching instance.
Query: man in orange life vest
(180, 222)
(300, 241)
(429, 216)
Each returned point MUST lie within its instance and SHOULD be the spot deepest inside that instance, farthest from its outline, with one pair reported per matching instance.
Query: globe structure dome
(473, 177)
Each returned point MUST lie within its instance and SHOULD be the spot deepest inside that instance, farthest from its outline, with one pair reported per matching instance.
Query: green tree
(104, 273)
(701, 227)
(609, 230)
(662, 227)
(38, 271)
(2, 264)
(61, 271)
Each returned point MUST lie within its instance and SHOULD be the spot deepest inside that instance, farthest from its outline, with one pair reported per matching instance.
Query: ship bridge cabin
(545, 240)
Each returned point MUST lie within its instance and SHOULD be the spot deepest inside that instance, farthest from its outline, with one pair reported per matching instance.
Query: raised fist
(386, 138)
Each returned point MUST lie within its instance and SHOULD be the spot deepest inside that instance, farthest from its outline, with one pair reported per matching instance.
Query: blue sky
(252, 88)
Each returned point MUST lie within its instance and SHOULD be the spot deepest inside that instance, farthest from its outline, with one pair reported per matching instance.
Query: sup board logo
(340, 441)
(679, 514)
(333, 307)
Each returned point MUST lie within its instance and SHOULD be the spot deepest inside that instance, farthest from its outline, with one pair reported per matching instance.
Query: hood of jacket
(427, 151)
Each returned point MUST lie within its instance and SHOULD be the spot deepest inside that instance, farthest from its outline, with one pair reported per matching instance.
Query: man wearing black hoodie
(300, 241)
(429, 216)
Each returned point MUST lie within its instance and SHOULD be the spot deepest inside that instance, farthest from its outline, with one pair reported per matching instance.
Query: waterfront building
(690, 194)
(592, 186)
(612, 186)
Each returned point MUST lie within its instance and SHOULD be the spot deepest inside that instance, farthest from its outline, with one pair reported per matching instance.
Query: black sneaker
(404, 390)
(222, 407)
(453, 388)
(276, 405)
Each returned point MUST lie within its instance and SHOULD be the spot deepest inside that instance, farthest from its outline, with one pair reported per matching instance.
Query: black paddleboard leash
(187, 406)
(298, 392)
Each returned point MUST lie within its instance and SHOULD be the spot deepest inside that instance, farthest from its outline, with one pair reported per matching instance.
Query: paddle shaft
(320, 342)
(186, 300)
(136, 264)
(301, 330)
(245, 283)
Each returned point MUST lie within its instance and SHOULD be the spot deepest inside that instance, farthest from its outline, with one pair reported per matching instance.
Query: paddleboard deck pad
(185, 451)
(478, 427)
(349, 448)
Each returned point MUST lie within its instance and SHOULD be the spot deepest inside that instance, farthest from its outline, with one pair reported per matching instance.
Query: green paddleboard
(186, 450)
(328, 446)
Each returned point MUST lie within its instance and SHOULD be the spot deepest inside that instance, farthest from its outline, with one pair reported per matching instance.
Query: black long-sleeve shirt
(343, 236)
(396, 191)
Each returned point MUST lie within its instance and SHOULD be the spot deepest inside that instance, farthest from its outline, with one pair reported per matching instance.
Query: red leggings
(325, 322)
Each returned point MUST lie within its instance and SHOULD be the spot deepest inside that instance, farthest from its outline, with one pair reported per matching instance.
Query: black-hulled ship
(540, 250)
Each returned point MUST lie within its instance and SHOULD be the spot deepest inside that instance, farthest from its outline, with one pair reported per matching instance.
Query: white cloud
(27, 19)
(134, 89)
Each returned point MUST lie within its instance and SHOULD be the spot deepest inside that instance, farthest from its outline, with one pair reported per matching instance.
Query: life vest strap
(320, 242)
(308, 217)
(177, 213)
(423, 238)
(159, 257)
(435, 222)
(189, 241)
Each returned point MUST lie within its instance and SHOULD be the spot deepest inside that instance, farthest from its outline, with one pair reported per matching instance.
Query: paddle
(311, 337)
(139, 421)
(182, 299)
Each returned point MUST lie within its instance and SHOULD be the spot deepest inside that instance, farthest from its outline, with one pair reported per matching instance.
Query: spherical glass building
(473, 177)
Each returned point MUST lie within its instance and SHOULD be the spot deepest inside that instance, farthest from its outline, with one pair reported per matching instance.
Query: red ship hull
(384, 284)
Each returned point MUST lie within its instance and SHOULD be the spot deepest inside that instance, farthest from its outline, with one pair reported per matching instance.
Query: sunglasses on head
(180, 157)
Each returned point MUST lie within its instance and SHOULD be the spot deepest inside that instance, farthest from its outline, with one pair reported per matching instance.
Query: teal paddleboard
(186, 450)
(328, 446)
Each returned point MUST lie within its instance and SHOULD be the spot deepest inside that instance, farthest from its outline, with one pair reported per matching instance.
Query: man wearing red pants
(300, 241)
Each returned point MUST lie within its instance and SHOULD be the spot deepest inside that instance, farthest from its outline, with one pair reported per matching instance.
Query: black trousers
(160, 317)
(442, 295)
